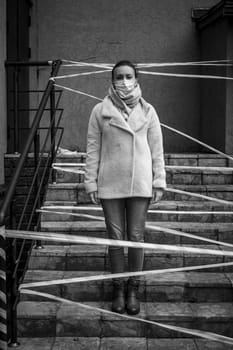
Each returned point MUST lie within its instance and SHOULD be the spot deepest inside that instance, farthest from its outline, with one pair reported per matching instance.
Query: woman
(125, 171)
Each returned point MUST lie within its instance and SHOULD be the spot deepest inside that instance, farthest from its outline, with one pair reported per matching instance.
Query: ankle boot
(133, 304)
(118, 298)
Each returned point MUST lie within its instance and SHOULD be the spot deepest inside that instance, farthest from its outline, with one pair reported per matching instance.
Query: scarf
(127, 103)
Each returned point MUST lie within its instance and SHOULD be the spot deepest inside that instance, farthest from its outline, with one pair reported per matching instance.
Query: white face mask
(125, 86)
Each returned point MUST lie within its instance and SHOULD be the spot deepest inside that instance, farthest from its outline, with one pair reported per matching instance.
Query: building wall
(2, 88)
(229, 93)
(110, 30)
(213, 99)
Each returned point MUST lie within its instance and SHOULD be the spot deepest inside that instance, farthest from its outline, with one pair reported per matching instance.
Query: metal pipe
(16, 110)
(28, 63)
(13, 284)
(53, 122)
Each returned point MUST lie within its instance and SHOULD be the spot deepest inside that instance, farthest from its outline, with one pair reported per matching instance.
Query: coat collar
(137, 118)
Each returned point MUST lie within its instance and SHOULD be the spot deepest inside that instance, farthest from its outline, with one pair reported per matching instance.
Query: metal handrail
(15, 257)
(29, 63)
(12, 186)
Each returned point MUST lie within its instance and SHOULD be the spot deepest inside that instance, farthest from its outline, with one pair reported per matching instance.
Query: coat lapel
(116, 118)
(137, 118)
(136, 121)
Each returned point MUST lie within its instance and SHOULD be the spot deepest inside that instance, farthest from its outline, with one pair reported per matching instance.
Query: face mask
(125, 86)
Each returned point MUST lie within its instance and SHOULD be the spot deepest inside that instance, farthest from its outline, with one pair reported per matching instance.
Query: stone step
(124, 343)
(169, 287)
(174, 176)
(53, 319)
(89, 258)
(216, 231)
(75, 192)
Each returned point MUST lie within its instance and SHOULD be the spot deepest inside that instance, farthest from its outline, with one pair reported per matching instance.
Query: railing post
(3, 300)
(53, 123)
(36, 161)
(13, 301)
(13, 283)
(16, 110)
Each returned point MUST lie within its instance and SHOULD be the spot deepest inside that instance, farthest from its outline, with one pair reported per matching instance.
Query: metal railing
(39, 152)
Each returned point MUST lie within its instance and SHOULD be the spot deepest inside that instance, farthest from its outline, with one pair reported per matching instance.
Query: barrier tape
(121, 275)
(71, 164)
(155, 64)
(69, 170)
(163, 125)
(150, 227)
(193, 194)
(197, 141)
(178, 167)
(78, 74)
(168, 189)
(151, 211)
(194, 332)
(87, 64)
(109, 68)
(49, 236)
(207, 168)
(78, 92)
(176, 75)
(88, 216)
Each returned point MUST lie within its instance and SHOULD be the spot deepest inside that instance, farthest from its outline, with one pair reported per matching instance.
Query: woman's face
(124, 74)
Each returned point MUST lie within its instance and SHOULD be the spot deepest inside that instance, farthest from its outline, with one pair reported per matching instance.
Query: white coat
(124, 158)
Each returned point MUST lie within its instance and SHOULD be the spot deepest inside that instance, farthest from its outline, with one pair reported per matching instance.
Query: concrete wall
(213, 99)
(2, 88)
(229, 93)
(216, 99)
(110, 30)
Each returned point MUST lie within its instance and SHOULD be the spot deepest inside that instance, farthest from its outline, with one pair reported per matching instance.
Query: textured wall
(109, 30)
(2, 88)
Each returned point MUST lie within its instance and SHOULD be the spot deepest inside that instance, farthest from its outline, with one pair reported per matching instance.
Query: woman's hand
(94, 197)
(157, 194)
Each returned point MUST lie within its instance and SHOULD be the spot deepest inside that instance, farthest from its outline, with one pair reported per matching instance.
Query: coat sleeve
(94, 136)
(155, 140)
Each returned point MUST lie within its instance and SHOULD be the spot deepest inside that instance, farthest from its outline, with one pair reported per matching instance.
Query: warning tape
(122, 275)
(151, 211)
(193, 194)
(198, 168)
(149, 227)
(176, 75)
(163, 125)
(151, 65)
(50, 236)
(78, 74)
(197, 141)
(70, 164)
(78, 92)
(193, 332)
(109, 68)
(168, 167)
(69, 170)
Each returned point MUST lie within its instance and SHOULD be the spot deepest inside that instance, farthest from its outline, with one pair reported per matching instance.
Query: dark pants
(125, 219)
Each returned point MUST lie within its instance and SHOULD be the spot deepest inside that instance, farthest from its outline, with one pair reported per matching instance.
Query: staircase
(201, 299)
